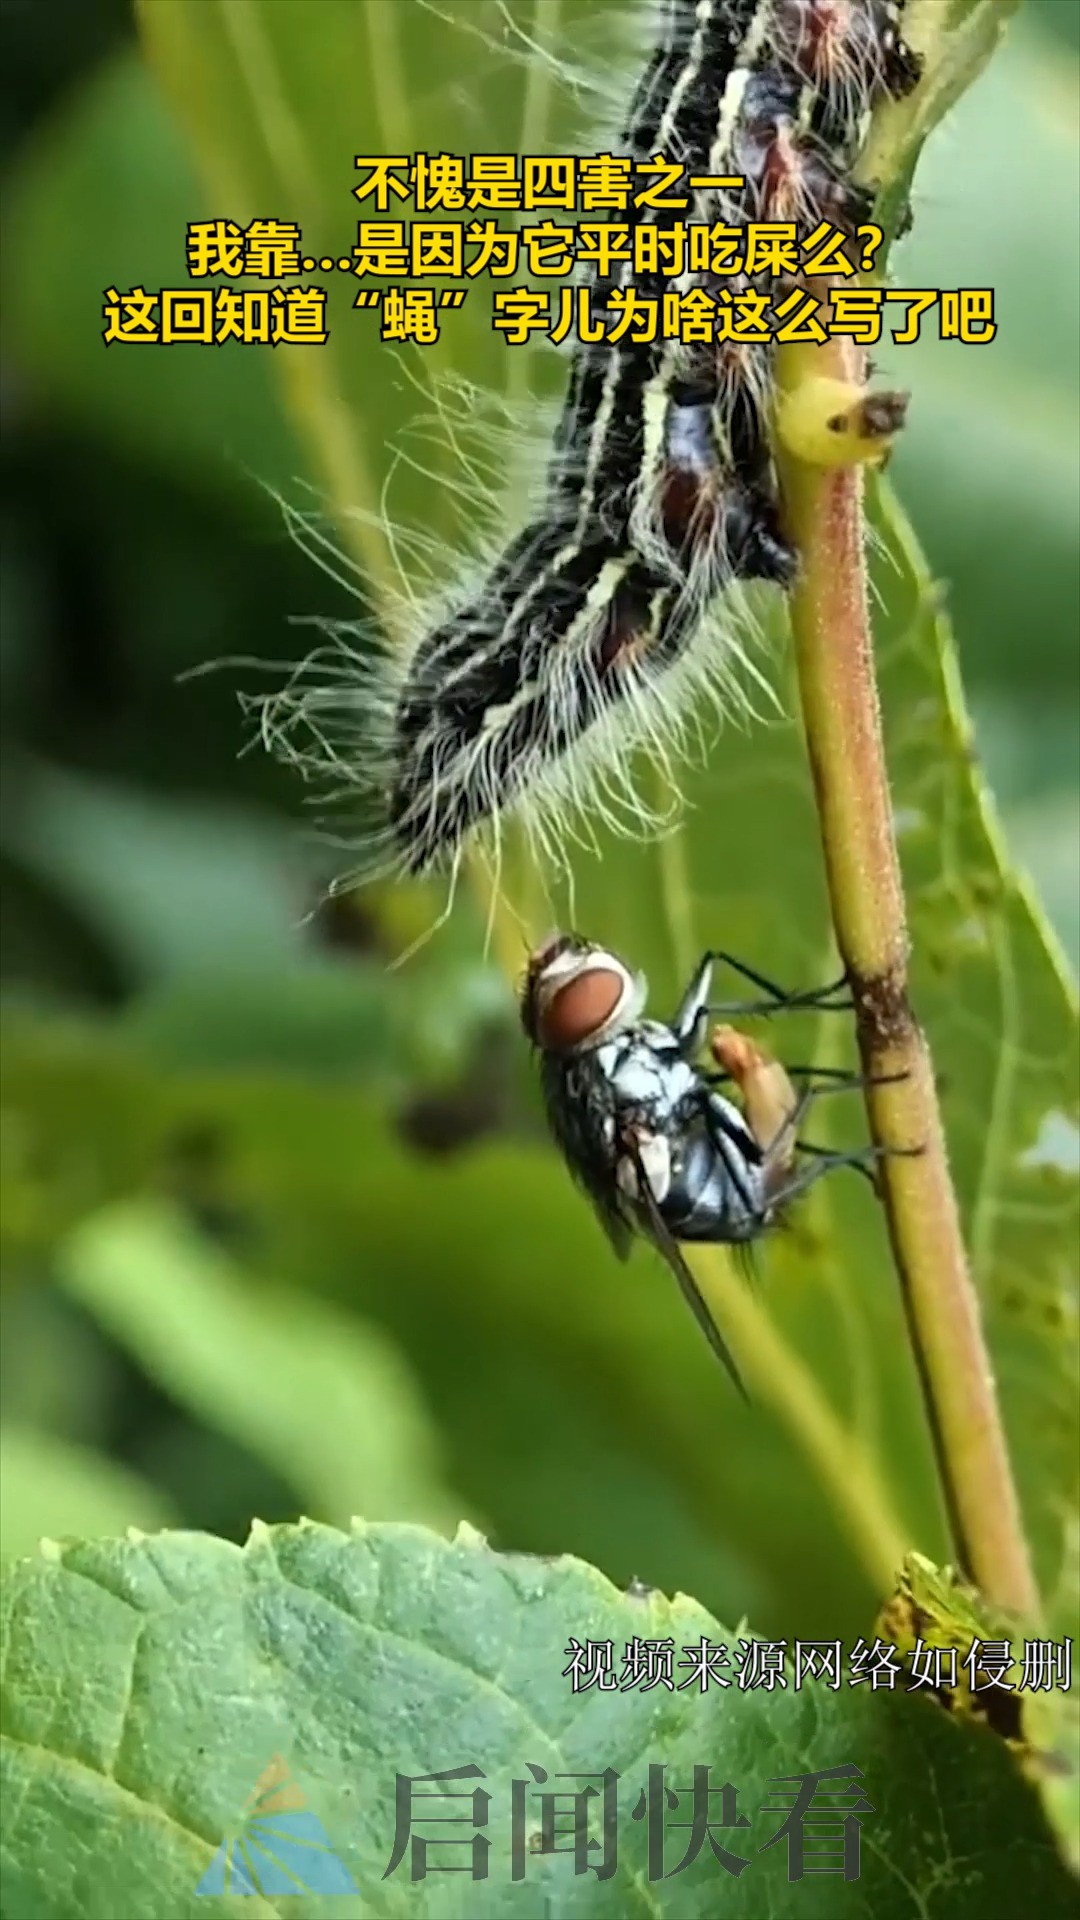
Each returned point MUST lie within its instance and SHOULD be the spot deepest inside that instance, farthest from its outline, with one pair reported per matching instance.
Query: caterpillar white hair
(592, 629)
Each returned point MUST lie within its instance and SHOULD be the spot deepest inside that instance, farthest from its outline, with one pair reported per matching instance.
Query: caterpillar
(591, 630)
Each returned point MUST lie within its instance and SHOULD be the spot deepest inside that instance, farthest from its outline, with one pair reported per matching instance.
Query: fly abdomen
(709, 1199)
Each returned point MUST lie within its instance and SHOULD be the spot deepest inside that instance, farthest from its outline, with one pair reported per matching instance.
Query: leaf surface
(150, 1683)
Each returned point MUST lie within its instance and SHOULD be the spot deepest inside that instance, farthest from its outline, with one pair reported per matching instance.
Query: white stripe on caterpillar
(592, 628)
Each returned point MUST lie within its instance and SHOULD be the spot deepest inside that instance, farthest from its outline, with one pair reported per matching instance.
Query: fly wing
(590, 1172)
(614, 1222)
(689, 1288)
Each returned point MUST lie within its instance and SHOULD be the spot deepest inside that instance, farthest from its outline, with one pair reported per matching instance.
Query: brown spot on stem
(882, 1009)
(880, 415)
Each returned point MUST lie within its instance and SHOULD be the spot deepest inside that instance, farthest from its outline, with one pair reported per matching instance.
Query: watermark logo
(280, 1846)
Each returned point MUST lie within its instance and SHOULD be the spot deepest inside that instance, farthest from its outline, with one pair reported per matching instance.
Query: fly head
(576, 994)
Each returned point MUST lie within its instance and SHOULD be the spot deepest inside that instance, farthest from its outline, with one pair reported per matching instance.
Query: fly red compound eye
(574, 1013)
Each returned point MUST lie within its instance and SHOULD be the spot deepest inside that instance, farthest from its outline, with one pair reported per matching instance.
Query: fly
(643, 1127)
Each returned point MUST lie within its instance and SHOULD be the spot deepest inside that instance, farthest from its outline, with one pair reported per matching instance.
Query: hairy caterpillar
(589, 631)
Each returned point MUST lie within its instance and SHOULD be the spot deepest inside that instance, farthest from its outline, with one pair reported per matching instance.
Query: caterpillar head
(576, 994)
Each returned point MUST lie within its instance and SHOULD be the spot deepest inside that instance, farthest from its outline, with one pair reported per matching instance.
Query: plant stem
(842, 725)
(780, 1379)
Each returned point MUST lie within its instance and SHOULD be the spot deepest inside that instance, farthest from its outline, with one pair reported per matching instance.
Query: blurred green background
(280, 1229)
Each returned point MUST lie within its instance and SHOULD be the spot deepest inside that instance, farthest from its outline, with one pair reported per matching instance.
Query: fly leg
(863, 1159)
(837, 1081)
(772, 1108)
(695, 1007)
(775, 1111)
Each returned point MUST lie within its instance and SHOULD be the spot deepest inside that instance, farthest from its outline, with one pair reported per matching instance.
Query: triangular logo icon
(280, 1847)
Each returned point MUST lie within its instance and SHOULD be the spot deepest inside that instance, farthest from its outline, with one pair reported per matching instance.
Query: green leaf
(324, 1400)
(53, 1487)
(746, 871)
(1055, 1717)
(536, 1351)
(955, 39)
(491, 1275)
(989, 986)
(208, 415)
(173, 890)
(522, 1328)
(150, 1683)
(271, 137)
(986, 464)
(934, 1607)
(958, 37)
(1001, 1010)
